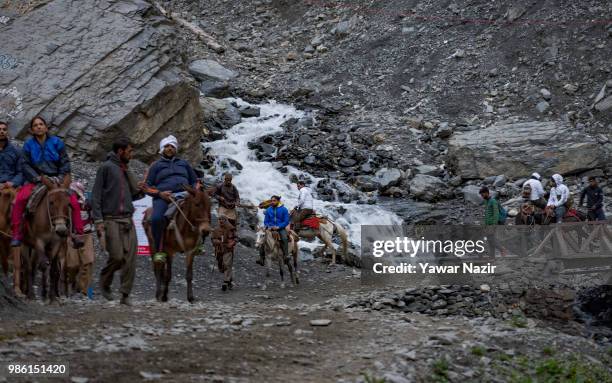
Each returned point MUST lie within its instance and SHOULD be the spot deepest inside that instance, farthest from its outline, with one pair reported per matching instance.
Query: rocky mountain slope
(97, 70)
(408, 94)
(397, 84)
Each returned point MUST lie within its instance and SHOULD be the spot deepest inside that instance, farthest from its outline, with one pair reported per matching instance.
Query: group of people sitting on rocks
(559, 200)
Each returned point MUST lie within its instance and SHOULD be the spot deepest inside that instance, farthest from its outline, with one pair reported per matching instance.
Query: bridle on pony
(53, 218)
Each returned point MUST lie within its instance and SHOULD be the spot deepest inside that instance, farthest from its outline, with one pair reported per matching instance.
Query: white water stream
(257, 181)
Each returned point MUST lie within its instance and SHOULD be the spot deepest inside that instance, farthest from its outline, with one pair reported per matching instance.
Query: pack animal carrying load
(224, 241)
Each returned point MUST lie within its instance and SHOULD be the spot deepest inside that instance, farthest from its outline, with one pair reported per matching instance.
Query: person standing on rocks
(304, 207)
(229, 198)
(491, 219)
(559, 196)
(224, 236)
(491, 207)
(114, 190)
(83, 259)
(536, 190)
(594, 195)
(44, 156)
(165, 180)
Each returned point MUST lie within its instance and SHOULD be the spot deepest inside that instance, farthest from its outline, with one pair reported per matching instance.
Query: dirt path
(249, 335)
(243, 334)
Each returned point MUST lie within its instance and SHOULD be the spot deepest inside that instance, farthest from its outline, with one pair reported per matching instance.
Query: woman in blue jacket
(44, 155)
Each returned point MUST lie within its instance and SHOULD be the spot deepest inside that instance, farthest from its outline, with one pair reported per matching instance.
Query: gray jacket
(114, 190)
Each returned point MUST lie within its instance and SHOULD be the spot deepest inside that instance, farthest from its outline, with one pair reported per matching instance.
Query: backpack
(503, 214)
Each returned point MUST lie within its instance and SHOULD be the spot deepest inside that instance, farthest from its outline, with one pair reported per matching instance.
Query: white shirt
(305, 200)
(558, 195)
(537, 191)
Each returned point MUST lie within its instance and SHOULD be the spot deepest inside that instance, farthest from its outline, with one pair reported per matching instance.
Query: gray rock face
(386, 177)
(219, 114)
(604, 105)
(214, 77)
(542, 106)
(428, 188)
(471, 193)
(98, 71)
(517, 150)
(210, 70)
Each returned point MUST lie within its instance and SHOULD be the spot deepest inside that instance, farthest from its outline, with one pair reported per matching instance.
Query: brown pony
(6, 199)
(532, 215)
(191, 225)
(45, 234)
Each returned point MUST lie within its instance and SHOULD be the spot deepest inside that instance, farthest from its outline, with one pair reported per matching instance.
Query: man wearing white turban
(165, 177)
(533, 187)
(170, 140)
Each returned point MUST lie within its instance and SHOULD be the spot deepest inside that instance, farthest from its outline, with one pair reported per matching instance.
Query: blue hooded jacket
(170, 174)
(276, 216)
(48, 159)
(11, 165)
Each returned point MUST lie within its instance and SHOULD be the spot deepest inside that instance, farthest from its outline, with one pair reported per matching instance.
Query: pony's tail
(343, 237)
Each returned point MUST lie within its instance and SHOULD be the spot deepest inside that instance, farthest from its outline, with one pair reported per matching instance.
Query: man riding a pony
(304, 207)
(11, 172)
(166, 178)
(11, 177)
(276, 218)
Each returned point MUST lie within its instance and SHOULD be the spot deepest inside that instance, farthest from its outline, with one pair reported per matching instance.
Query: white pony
(326, 231)
(270, 240)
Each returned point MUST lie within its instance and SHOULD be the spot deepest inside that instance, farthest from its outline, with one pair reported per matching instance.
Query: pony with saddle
(324, 229)
(7, 195)
(46, 226)
(271, 242)
(537, 213)
(187, 229)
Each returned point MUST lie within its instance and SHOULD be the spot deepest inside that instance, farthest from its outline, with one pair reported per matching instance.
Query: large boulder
(519, 149)
(387, 177)
(210, 70)
(429, 188)
(98, 70)
(471, 193)
(214, 77)
(219, 113)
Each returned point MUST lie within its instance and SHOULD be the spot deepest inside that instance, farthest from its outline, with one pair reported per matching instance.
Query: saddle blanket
(312, 222)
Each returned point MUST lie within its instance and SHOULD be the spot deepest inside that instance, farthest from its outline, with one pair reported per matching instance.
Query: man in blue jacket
(11, 164)
(165, 178)
(11, 176)
(276, 218)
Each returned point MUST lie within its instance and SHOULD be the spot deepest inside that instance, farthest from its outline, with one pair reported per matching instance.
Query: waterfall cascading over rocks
(258, 180)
